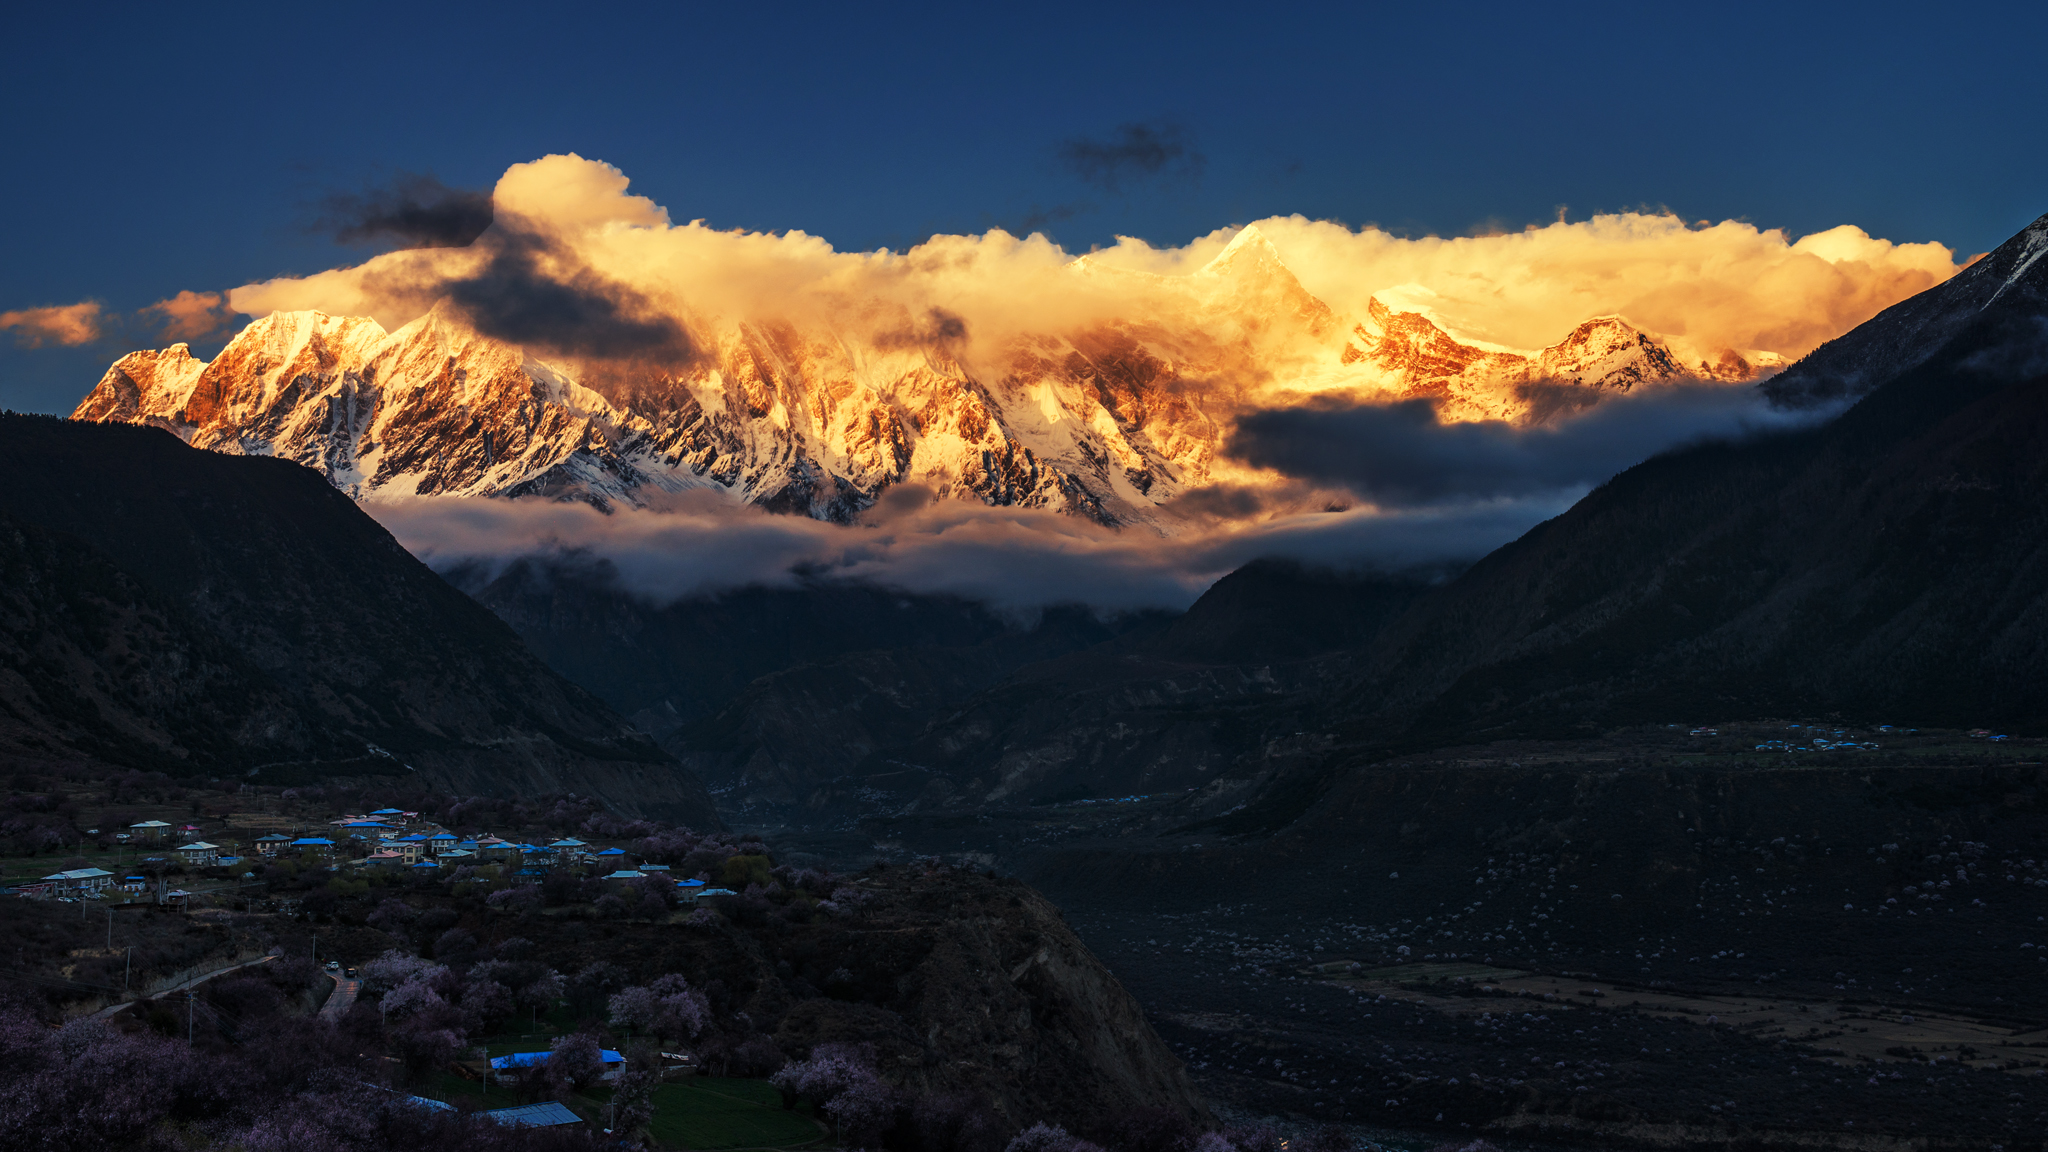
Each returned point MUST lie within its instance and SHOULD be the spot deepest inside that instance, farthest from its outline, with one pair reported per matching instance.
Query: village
(388, 839)
(462, 971)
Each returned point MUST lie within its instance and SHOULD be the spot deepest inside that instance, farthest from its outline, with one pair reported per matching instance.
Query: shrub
(487, 1004)
(521, 898)
(738, 872)
(1044, 1137)
(391, 969)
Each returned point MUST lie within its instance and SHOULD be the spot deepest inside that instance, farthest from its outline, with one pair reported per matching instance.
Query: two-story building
(496, 850)
(79, 881)
(198, 854)
(150, 831)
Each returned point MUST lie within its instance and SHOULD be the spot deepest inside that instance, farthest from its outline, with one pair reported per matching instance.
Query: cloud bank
(1016, 559)
(1704, 286)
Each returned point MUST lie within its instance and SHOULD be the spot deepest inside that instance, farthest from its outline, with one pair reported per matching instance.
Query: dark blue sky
(188, 148)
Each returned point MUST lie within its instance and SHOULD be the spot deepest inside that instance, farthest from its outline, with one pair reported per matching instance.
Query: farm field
(1842, 1031)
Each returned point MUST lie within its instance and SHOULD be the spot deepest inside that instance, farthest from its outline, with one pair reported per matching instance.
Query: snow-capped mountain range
(1112, 421)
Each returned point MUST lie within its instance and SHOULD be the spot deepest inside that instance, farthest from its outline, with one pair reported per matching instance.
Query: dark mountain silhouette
(671, 664)
(1891, 564)
(178, 610)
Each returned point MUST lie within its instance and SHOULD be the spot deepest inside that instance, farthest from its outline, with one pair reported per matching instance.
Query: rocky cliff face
(1110, 420)
(193, 613)
(2006, 282)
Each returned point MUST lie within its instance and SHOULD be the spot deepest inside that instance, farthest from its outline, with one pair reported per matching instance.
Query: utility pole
(127, 966)
(188, 1016)
(110, 927)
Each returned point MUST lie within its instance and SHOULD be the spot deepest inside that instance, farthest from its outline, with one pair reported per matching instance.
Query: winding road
(342, 998)
(184, 985)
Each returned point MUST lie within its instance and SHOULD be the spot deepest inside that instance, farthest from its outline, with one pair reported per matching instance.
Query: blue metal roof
(522, 1059)
(546, 1115)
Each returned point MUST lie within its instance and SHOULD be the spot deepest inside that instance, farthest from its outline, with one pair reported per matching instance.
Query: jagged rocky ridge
(183, 611)
(1112, 422)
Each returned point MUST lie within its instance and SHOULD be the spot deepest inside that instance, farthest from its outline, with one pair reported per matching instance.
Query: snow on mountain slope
(1111, 421)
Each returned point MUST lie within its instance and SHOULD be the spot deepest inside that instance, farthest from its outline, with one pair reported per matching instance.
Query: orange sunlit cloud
(190, 315)
(69, 325)
(1704, 287)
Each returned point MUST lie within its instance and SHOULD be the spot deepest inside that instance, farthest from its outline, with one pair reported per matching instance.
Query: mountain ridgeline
(1112, 419)
(199, 614)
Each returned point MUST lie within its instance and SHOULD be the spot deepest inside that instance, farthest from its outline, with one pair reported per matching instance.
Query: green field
(119, 861)
(708, 1112)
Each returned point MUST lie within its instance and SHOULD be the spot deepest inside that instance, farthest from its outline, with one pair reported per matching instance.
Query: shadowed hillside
(195, 613)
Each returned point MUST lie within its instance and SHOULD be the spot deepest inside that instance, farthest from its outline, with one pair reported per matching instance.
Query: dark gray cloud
(576, 310)
(1132, 151)
(1399, 455)
(414, 210)
(1036, 219)
(937, 328)
(533, 290)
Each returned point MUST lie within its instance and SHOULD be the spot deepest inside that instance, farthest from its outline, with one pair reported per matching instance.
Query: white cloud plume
(1707, 287)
